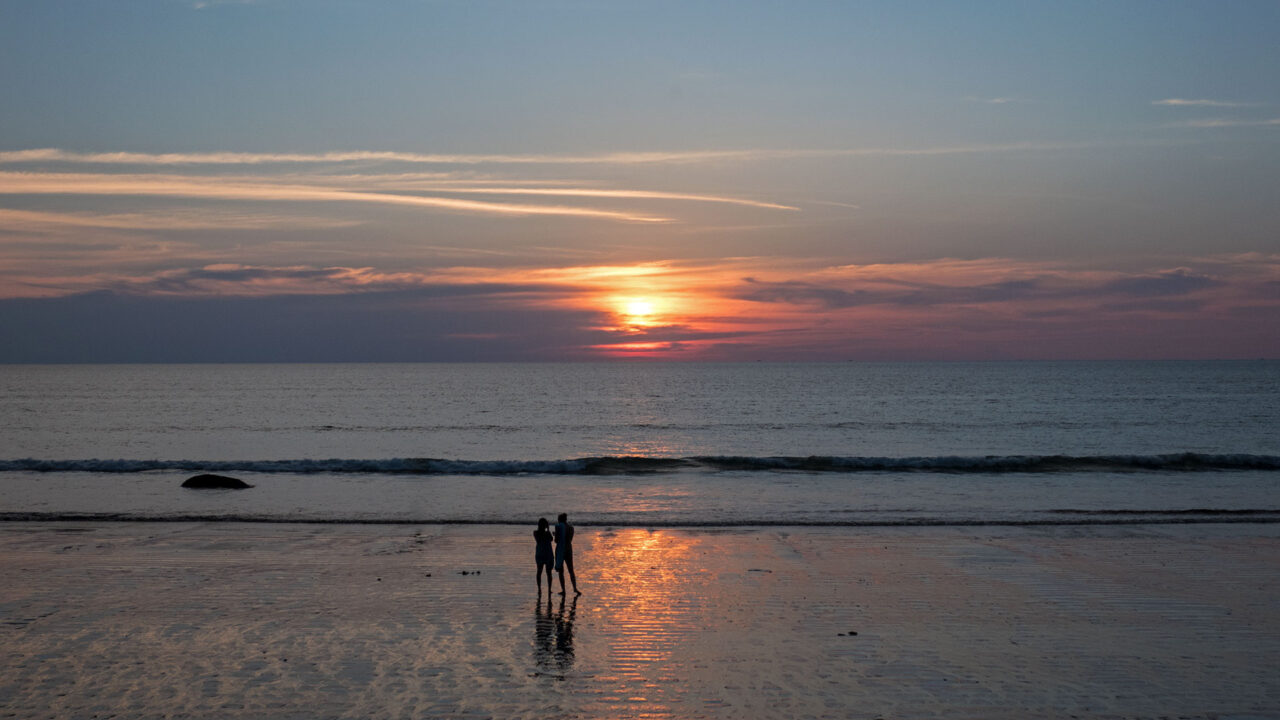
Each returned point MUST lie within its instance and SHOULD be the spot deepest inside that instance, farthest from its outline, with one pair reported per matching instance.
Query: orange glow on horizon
(660, 310)
(633, 349)
(732, 308)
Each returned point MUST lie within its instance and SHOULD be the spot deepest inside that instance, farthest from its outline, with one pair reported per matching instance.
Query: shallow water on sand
(283, 621)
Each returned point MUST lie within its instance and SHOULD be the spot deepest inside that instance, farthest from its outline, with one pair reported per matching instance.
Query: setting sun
(638, 312)
(639, 308)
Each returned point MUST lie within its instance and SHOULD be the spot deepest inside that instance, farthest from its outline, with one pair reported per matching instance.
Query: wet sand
(146, 620)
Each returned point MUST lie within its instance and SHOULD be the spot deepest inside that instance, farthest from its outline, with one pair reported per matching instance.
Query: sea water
(648, 443)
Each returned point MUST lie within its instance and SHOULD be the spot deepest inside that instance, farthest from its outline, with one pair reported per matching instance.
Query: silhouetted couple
(561, 557)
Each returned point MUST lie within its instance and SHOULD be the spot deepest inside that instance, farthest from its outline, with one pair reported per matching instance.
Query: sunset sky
(343, 180)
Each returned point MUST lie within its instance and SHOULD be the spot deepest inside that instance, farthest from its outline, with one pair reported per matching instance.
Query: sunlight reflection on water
(633, 447)
(644, 602)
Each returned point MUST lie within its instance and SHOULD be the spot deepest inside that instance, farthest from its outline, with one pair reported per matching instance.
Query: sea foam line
(632, 465)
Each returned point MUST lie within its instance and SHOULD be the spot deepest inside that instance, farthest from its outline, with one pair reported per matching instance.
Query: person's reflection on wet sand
(544, 644)
(553, 637)
(564, 635)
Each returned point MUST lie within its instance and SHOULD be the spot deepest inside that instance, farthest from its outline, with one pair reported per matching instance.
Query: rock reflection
(553, 637)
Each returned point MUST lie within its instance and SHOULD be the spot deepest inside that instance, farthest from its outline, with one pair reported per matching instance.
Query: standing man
(564, 552)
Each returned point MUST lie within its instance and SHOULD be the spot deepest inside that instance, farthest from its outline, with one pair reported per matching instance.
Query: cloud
(459, 184)
(616, 194)
(1227, 122)
(802, 293)
(444, 183)
(197, 273)
(410, 325)
(1160, 306)
(954, 309)
(1180, 281)
(181, 219)
(351, 156)
(19, 183)
(1182, 102)
(906, 289)
(995, 100)
(232, 280)
(55, 155)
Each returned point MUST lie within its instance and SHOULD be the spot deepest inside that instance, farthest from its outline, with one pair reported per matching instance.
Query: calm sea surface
(639, 443)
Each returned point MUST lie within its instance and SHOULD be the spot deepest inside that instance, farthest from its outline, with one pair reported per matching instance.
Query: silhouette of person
(543, 555)
(564, 552)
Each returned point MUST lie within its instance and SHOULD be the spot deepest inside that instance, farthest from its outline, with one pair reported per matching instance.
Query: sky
(465, 180)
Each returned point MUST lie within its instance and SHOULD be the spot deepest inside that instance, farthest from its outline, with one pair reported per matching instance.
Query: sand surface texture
(311, 621)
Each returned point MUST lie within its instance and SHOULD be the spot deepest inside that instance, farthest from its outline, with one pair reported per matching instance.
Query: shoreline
(1120, 518)
(324, 620)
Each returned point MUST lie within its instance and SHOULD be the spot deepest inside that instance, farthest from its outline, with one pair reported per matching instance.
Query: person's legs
(561, 571)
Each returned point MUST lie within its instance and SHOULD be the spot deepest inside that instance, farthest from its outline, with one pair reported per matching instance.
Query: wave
(1045, 519)
(636, 465)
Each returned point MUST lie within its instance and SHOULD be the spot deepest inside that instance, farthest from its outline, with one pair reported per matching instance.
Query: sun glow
(653, 310)
(639, 308)
(638, 311)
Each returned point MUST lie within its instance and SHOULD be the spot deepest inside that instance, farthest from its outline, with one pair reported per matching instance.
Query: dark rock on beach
(212, 482)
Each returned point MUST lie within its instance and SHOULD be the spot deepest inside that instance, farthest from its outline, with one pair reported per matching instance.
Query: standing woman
(543, 554)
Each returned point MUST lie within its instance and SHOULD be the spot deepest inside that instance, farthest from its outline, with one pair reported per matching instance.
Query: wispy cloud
(616, 194)
(995, 100)
(532, 188)
(833, 203)
(54, 155)
(461, 184)
(1226, 122)
(178, 219)
(18, 183)
(1183, 102)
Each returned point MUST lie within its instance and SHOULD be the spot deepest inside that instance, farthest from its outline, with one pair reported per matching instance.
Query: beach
(260, 620)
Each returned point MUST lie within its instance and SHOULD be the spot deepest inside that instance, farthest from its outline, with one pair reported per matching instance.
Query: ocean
(648, 444)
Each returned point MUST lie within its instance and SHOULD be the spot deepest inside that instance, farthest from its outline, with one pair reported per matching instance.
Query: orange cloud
(766, 308)
(223, 189)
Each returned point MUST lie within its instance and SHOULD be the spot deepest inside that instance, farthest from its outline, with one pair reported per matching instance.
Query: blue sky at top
(602, 76)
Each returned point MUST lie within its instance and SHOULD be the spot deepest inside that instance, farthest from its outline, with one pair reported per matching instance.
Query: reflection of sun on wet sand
(273, 621)
(645, 608)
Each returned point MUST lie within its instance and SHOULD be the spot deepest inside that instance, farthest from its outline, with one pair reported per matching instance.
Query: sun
(639, 308)
(637, 311)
